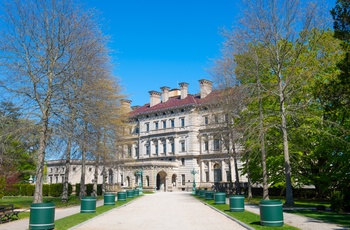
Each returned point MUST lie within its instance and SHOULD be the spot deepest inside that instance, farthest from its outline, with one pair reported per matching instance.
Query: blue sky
(162, 43)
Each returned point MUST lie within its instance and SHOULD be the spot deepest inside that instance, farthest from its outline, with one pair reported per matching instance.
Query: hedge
(54, 190)
(89, 189)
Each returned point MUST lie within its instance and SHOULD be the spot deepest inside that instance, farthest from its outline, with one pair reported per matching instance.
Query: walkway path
(171, 211)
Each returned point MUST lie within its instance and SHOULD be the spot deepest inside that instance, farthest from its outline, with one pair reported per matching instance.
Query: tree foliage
(284, 56)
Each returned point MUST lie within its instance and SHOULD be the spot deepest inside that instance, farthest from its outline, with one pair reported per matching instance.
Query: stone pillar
(211, 172)
(223, 171)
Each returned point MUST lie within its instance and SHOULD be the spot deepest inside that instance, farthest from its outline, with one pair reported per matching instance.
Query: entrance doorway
(161, 181)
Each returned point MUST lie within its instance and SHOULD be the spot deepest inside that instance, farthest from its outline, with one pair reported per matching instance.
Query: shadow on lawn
(326, 216)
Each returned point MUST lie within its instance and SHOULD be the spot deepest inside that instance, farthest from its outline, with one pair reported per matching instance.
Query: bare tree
(41, 43)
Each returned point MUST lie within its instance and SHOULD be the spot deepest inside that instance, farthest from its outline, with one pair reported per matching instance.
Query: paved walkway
(171, 210)
(163, 210)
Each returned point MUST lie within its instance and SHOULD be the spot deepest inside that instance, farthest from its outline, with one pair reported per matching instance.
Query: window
(206, 176)
(206, 146)
(164, 124)
(182, 161)
(129, 150)
(164, 147)
(216, 144)
(156, 147)
(136, 130)
(182, 120)
(147, 127)
(228, 176)
(90, 169)
(156, 125)
(147, 149)
(172, 147)
(183, 179)
(62, 179)
(136, 151)
(216, 119)
(74, 169)
(206, 120)
(172, 123)
(182, 144)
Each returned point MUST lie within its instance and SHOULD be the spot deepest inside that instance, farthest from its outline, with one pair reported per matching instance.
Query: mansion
(174, 142)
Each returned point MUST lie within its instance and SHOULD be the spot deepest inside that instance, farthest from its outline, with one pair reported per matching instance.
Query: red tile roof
(174, 102)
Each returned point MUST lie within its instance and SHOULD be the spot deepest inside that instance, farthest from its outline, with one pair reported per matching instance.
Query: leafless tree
(41, 44)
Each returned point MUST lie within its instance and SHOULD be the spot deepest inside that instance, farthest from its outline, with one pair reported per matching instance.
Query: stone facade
(173, 142)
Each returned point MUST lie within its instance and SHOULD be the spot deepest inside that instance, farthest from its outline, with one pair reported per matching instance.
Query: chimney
(165, 93)
(206, 87)
(154, 98)
(184, 89)
(126, 105)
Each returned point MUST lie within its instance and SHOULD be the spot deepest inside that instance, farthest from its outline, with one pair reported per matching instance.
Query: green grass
(24, 202)
(304, 203)
(326, 216)
(73, 220)
(249, 218)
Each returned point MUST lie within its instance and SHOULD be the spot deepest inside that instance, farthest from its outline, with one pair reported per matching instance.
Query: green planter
(88, 204)
(42, 216)
(121, 196)
(209, 195)
(220, 198)
(202, 193)
(136, 192)
(271, 213)
(197, 192)
(237, 203)
(130, 193)
(109, 199)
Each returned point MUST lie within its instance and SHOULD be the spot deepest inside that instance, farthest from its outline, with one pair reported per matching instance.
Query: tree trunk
(237, 183)
(66, 173)
(263, 150)
(94, 192)
(38, 191)
(250, 195)
(287, 167)
(83, 163)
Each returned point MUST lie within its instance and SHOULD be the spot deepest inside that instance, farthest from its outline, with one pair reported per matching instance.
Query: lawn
(249, 218)
(310, 210)
(24, 202)
(78, 218)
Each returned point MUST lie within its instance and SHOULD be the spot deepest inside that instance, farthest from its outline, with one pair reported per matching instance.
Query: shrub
(46, 190)
(29, 189)
(89, 189)
(56, 190)
(2, 186)
(337, 202)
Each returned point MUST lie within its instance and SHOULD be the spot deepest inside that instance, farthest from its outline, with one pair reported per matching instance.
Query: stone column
(223, 171)
(211, 173)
